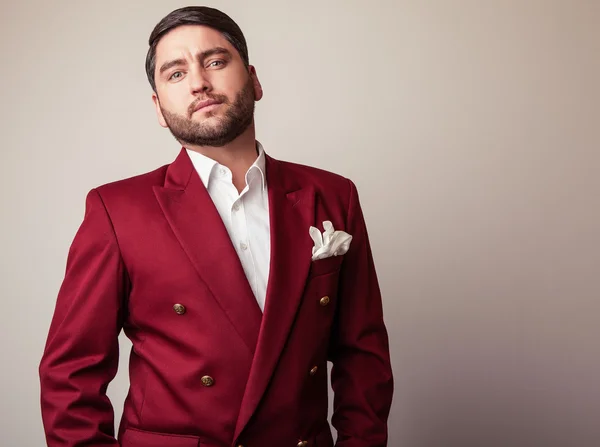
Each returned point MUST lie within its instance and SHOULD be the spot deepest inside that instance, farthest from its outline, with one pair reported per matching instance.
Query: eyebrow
(200, 56)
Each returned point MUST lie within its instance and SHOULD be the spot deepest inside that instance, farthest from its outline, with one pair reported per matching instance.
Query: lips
(206, 103)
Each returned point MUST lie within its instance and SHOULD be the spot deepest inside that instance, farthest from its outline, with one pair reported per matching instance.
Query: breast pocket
(325, 266)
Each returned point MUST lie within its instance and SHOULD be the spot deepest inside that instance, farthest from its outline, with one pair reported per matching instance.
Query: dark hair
(195, 15)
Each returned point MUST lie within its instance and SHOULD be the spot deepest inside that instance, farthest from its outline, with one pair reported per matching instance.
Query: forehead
(188, 40)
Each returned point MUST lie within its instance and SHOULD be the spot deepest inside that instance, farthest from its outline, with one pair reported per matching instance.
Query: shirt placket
(240, 229)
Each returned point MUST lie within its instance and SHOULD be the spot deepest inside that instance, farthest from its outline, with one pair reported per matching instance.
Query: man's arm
(82, 350)
(361, 376)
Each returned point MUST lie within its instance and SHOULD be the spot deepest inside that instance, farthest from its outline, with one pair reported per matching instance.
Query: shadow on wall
(472, 411)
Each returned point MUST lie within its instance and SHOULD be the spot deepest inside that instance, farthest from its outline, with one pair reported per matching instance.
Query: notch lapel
(197, 225)
(292, 212)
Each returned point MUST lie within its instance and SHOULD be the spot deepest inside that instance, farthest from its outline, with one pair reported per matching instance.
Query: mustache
(193, 105)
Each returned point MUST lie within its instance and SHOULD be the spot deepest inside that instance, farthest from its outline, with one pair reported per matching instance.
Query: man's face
(204, 92)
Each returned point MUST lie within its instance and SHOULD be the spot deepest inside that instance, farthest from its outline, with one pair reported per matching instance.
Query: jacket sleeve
(361, 377)
(82, 350)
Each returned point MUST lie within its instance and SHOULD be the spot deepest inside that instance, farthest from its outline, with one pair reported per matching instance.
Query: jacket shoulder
(135, 186)
(324, 181)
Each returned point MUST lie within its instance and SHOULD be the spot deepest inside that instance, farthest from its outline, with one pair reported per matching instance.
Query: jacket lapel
(196, 223)
(292, 212)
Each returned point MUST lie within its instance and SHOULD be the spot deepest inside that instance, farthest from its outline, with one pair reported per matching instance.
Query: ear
(258, 91)
(159, 115)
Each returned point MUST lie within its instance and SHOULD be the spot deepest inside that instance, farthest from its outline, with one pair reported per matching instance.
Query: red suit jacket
(207, 367)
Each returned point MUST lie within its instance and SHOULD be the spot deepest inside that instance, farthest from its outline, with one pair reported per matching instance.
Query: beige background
(471, 129)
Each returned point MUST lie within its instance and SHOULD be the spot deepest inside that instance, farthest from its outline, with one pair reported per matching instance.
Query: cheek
(175, 99)
(228, 84)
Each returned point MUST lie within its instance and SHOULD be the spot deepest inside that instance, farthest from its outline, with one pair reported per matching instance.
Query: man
(233, 303)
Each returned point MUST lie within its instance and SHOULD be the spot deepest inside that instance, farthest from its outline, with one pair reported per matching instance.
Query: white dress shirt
(245, 215)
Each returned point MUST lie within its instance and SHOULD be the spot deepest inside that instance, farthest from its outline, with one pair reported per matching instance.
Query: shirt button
(222, 171)
(244, 246)
(236, 206)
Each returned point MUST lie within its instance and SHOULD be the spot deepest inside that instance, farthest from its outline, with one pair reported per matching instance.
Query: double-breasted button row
(180, 308)
(300, 444)
(207, 381)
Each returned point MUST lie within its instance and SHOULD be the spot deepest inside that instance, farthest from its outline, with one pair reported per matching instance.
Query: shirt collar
(205, 166)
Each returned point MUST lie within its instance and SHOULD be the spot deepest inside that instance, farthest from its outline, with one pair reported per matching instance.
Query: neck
(238, 155)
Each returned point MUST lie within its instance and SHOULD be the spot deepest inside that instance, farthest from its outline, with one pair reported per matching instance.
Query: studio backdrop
(471, 129)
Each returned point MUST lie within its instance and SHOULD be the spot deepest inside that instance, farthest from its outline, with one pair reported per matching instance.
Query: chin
(206, 116)
(207, 120)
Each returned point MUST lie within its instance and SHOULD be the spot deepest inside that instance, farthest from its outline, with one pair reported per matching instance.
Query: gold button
(179, 309)
(324, 301)
(313, 371)
(302, 444)
(207, 381)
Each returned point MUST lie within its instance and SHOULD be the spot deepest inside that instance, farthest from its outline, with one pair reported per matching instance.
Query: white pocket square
(330, 243)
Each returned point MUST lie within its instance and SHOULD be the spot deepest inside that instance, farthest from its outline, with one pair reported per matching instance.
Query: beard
(236, 120)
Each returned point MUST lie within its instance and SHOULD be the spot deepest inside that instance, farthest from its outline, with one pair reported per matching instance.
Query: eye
(217, 63)
(176, 75)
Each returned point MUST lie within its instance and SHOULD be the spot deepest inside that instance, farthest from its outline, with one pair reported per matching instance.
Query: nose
(199, 82)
